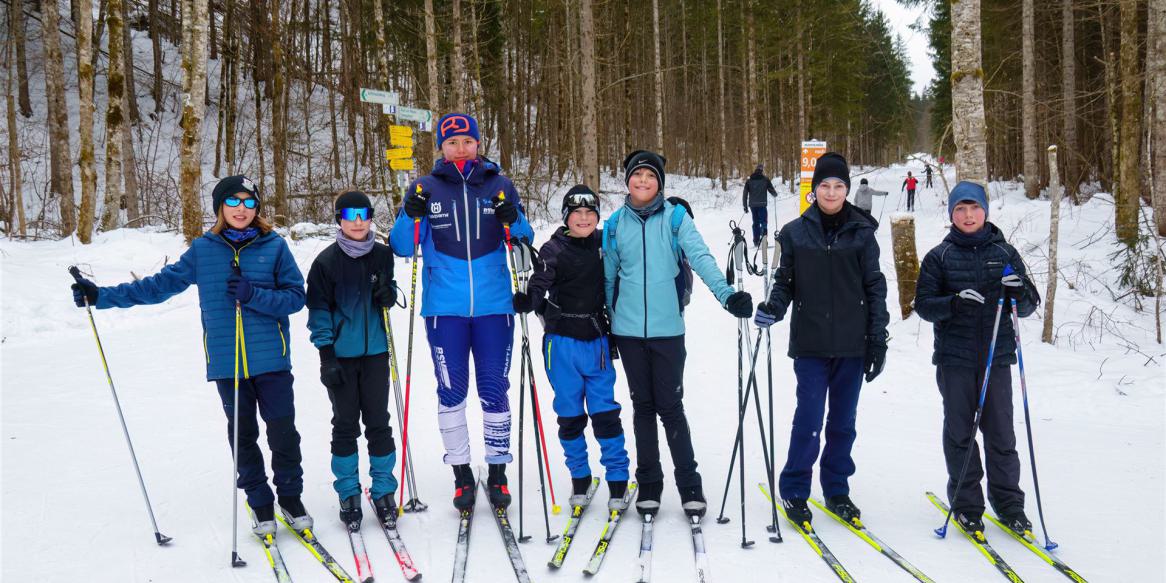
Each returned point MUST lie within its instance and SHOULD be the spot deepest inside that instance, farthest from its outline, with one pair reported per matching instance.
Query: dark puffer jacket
(838, 292)
(572, 272)
(756, 187)
(341, 311)
(968, 262)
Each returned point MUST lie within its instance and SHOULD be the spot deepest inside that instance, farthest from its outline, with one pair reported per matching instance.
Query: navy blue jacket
(465, 272)
(838, 291)
(278, 292)
(340, 307)
(961, 262)
(570, 274)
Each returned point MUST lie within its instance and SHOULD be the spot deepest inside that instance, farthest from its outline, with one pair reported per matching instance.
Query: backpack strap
(609, 240)
(677, 219)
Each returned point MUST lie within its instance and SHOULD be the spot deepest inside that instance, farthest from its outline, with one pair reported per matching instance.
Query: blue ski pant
(490, 339)
(271, 395)
(583, 379)
(760, 222)
(836, 381)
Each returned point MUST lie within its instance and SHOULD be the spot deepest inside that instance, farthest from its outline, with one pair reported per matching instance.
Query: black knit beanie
(572, 200)
(230, 186)
(644, 159)
(353, 199)
(830, 165)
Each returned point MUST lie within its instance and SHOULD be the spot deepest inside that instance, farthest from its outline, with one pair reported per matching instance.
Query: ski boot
(1017, 522)
(386, 509)
(692, 500)
(350, 512)
(463, 483)
(798, 512)
(616, 489)
(496, 486)
(972, 524)
(648, 502)
(295, 514)
(844, 508)
(264, 520)
(579, 488)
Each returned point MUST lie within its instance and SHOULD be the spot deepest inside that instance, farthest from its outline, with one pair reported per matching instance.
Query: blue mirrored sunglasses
(351, 214)
(233, 201)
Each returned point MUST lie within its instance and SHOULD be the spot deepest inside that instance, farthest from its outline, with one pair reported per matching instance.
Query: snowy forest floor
(71, 509)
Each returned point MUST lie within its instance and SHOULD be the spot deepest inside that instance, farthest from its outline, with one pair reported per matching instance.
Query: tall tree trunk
(425, 147)
(326, 24)
(86, 161)
(193, 86)
(751, 86)
(967, 93)
(155, 18)
(129, 173)
(16, 24)
(15, 183)
(131, 92)
(722, 131)
(803, 125)
(61, 156)
(1156, 70)
(456, 63)
(1129, 181)
(658, 76)
(1028, 102)
(1054, 235)
(278, 117)
(590, 119)
(115, 118)
(1069, 99)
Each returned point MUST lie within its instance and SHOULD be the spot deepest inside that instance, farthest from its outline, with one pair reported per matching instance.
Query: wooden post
(906, 260)
(1054, 231)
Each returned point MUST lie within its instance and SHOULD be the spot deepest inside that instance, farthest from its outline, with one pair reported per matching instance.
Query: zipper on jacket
(469, 252)
(457, 226)
(644, 248)
(282, 341)
(360, 300)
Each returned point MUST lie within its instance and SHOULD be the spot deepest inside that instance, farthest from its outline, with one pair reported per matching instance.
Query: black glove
(740, 304)
(239, 288)
(417, 204)
(505, 211)
(746, 210)
(84, 291)
(384, 293)
(766, 315)
(523, 303)
(613, 349)
(968, 301)
(876, 357)
(331, 375)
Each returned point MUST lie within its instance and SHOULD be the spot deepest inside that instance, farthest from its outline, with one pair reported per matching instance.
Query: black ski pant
(960, 388)
(364, 395)
(655, 372)
(911, 199)
(270, 393)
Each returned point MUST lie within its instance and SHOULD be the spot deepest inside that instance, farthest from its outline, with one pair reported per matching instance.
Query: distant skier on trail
(910, 183)
(863, 195)
(755, 202)
(349, 285)
(645, 242)
(829, 273)
(576, 348)
(467, 297)
(239, 260)
(960, 283)
(928, 172)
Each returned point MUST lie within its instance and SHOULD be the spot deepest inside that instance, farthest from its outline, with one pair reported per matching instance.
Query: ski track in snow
(72, 509)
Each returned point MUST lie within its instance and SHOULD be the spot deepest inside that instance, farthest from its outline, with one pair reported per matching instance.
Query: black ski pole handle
(76, 273)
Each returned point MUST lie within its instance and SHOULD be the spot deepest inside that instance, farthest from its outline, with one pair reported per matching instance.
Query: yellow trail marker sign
(401, 164)
(398, 154)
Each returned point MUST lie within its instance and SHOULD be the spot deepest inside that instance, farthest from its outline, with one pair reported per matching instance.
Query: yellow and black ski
(980, 541)
(808, 533)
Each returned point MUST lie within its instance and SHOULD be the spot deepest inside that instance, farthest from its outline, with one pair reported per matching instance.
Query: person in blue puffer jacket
(459, 210)
(239, 260)
(641, 262)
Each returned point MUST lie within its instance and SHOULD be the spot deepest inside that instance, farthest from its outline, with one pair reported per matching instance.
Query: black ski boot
(579, 489)
(386, 509)
(692, 500)
(972, 523)
(264, 520)
(648, 501)
(1017, 522)
(293, 510)
(350, 512)
(844, 508)
(797, 511)
(496, 486)
(616, 490)
(463, 483)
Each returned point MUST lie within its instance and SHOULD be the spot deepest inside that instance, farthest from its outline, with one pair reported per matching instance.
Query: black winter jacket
(571, 270)
(964, 262)
(340, 305)
(838, 292)
(755, 189)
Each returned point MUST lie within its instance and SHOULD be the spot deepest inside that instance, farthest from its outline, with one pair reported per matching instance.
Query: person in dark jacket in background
(349, 285)
(959, 285)
(576, 348)
(754, 200)
(829, 272)
(241, 267)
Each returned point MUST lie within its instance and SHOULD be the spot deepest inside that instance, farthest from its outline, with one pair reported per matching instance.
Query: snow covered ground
(72, 510)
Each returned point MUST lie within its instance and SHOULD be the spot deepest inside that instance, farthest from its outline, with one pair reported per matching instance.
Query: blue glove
(84, 291)
(239, 288)
(765, 317)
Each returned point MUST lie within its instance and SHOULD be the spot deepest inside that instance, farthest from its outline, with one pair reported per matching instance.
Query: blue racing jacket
(465, 272)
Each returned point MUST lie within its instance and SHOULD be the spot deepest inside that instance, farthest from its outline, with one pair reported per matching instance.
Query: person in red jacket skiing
(910, 183)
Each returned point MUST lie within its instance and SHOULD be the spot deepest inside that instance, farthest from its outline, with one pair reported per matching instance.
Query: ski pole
(773, 528)
(160, 538)
(1049, 544)
(942, 531)
(409, 478)
(742, 339)
(522, 537)
(240, 348)
(409, 349)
